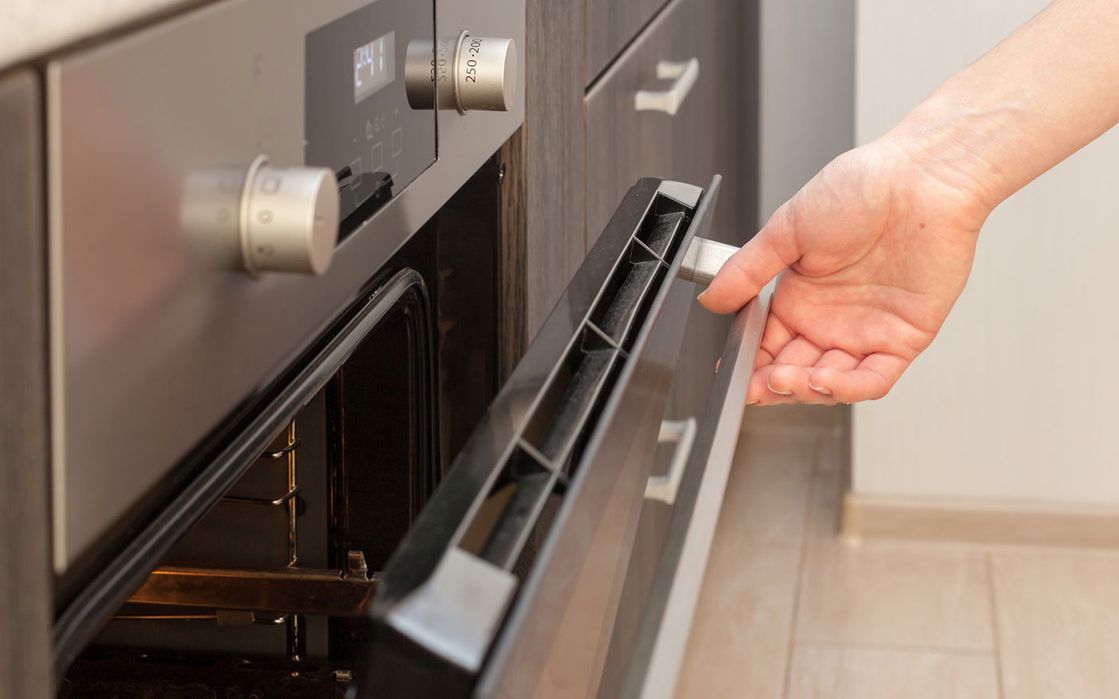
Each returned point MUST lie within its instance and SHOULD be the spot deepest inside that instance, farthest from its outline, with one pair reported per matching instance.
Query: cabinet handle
(668, 101)
(682, 433)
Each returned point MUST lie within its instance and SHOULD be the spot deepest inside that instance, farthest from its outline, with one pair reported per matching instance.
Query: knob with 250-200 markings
(263, 218)
(466, 73)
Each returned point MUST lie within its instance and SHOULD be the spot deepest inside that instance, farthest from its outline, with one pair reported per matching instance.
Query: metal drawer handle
(682, 433)
(668, 101)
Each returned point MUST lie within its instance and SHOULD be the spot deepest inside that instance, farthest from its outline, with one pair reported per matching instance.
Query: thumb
(758, 261)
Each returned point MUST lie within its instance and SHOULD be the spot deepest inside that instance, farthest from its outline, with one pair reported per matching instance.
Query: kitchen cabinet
(610, 25)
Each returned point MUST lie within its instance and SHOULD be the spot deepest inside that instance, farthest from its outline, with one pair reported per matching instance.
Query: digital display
(374, 66)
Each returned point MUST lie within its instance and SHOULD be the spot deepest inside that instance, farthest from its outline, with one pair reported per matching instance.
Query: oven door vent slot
(563, 418)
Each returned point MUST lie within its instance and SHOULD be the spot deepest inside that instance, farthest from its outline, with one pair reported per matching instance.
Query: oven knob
(289, 219)
(471, 73)
(485, 74)
(426, 66)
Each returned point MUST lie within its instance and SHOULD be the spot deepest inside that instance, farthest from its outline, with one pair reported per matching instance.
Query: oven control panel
(357, 119)
(222, 182)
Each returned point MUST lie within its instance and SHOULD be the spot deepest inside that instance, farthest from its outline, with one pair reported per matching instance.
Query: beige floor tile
(1058, 623)
(834, 452)
(740, 635)
(927, 596)
(769, 486)
(823, 518)
(821, 672)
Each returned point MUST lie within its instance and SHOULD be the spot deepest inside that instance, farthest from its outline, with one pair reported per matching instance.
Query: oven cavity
(272, 581)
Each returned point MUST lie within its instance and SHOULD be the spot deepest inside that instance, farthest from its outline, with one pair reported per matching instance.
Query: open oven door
(508, 583)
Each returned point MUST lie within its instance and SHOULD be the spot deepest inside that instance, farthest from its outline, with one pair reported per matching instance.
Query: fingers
(781, 380)
(834, 377)
(784, 383)
(870, 380)
(832, 359)
(753, 266)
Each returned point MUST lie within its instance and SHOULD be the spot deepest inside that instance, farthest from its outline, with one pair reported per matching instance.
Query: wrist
(962, 146)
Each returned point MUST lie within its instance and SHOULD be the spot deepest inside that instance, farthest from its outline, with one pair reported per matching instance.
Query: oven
(286, 457)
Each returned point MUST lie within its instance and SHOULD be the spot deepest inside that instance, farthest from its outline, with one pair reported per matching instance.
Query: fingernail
(701, 295)
(778, 391)
(819, 389)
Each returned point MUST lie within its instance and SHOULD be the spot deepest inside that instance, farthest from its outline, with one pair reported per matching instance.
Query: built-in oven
(286, 458)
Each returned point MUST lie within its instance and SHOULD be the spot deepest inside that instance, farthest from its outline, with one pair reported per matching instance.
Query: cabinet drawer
(610, 24)
(710, 130)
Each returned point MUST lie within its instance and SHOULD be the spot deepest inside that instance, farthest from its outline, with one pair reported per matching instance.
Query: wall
(1018, 398)
(807, 92)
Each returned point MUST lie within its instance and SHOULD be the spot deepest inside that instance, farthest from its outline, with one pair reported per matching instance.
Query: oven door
(509, 582)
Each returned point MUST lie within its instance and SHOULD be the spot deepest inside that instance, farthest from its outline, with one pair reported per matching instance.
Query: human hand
(877, 249)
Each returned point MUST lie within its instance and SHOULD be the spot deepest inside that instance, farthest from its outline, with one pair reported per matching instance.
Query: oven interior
(265, 595)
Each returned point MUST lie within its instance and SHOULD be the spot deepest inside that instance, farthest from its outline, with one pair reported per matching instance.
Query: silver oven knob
(289, 219)
(486, 74)
(470, 73)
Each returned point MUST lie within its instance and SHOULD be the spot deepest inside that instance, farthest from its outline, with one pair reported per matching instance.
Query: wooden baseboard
(878, 517)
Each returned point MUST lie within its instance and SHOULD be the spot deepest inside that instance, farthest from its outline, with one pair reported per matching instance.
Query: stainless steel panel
(150, 347)
(25, 598)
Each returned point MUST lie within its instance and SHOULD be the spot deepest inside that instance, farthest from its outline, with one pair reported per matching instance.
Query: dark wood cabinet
(610, 25)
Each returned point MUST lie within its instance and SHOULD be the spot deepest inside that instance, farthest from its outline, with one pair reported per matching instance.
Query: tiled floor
(789, 611)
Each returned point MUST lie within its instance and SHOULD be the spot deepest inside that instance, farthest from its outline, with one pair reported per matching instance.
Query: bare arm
(1043, 93)
(878, 246)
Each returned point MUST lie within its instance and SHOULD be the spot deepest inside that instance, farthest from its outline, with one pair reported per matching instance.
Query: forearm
(1040, 95)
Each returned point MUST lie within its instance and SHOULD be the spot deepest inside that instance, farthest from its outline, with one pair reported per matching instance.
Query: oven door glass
(508, 584)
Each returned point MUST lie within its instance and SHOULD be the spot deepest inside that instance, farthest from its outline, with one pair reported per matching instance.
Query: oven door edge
(663, 635)
(525, 604)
